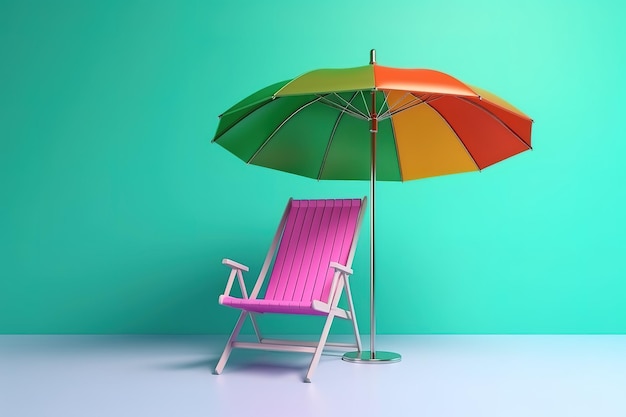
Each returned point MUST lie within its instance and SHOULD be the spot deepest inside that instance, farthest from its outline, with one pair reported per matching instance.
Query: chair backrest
(314, 233)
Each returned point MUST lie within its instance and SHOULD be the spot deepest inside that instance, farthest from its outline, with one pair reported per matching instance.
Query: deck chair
(310, 259)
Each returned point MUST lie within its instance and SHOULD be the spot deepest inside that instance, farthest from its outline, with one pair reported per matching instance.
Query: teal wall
(116, 209)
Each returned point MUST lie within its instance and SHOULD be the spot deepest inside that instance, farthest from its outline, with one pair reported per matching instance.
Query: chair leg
(357, 335)
(229, 346)
(353, 314)
(255, 326)
(320, 348)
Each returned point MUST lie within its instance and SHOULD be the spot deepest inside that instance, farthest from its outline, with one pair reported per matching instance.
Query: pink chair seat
(271, 306)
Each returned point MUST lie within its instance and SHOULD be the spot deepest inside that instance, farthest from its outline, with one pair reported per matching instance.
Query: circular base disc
(366, 357)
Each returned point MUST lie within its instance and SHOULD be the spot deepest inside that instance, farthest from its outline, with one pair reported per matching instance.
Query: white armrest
(235, 269)
(341, 268)
(341, 275)
(235, 265)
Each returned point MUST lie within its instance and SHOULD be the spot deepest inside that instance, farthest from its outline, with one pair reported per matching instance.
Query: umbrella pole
(373, 130)
(372, 356)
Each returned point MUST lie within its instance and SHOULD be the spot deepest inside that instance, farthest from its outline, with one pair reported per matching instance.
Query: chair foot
(307, 380)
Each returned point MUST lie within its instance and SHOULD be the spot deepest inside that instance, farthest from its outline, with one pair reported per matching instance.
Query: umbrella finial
(372, 56)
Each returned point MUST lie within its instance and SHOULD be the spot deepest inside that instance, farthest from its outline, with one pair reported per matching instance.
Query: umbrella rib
(458, 138)
(367, 110)
(414, 103)
(266, 141)
(356, 112)
(395, 141)
(382, 106)
(497, 119)
(240, 118)
(332, 137)
(254, 103)
(389, 111)
(344, 109)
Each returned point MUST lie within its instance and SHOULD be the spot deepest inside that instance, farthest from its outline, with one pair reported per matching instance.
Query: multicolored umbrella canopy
(377, 123)
(428, 124)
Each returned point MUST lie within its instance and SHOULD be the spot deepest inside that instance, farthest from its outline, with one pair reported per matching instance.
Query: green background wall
(116, 209)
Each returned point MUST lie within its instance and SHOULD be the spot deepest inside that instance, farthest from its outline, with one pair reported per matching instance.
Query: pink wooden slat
(318, 251)
(278, 276)
(345, 235)
(337, 249)
(306, 246)
(307, 253)
(281, 254)
(301, 250)
(290, 245)
(329, 253)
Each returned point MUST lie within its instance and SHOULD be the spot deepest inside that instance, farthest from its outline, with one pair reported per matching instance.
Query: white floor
(463, 376)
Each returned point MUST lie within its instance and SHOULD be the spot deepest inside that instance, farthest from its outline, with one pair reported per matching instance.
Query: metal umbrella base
(367, 357)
